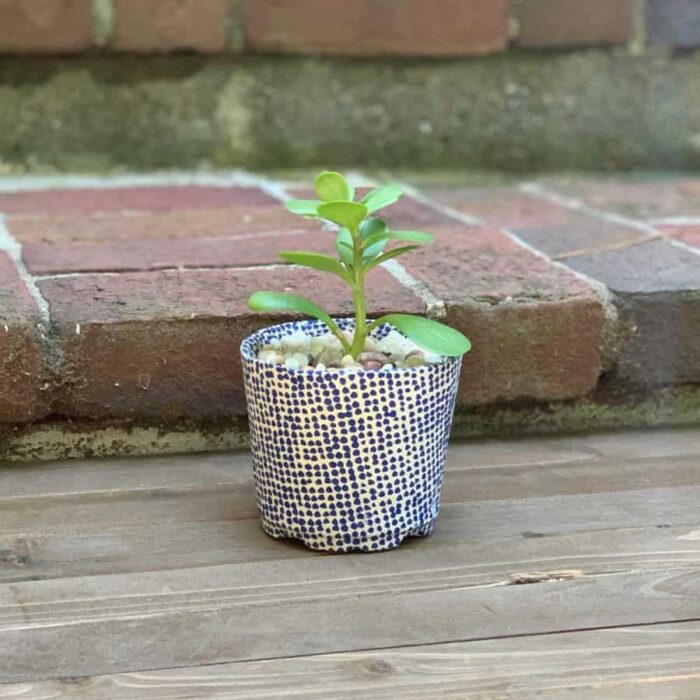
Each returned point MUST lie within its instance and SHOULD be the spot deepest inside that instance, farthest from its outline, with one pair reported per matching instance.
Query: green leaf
(389, 255)
(344, 246)
(429, 334)
(347, 214)
(303, 207)
(281, 301)
(317, 261)
(382, 197)
(376, 243)
(372, 241)
(332, 187)
(372, 226)
(413, 236)
(373, 231)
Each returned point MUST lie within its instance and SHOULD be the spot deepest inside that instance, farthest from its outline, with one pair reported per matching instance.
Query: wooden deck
(563, 567)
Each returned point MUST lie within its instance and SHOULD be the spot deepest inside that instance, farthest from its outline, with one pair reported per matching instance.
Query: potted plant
(349, 418)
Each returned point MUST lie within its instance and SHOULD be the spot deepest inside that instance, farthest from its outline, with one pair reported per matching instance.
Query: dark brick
(20, 356)
(536, 329)
(586, 233)
(656, 266)
(372, 27)
(165, 344)
(686, 233)
(168, 25)
(561, 23)
(656, 286)
(674, 23)
(45, 26)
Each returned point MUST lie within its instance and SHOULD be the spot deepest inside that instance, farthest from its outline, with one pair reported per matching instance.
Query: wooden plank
(215, 487)
(273, 609)
(657, 661)
(163, 533)
(593, 476)
(175, 474)
(116, 477)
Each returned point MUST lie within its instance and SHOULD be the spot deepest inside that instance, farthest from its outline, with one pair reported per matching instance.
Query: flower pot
(351, 460)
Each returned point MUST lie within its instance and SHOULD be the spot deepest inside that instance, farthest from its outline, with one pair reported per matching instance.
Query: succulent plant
(361, 240)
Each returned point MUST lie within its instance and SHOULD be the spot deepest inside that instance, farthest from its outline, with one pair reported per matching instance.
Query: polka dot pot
(351, 460)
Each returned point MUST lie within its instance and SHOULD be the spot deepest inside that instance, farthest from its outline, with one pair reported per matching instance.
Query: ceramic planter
(351, 460)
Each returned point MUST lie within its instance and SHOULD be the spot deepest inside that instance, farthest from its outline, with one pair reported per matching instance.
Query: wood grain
(72, 539)
(131, 538)
(272, 609)
(119, 566)
(657, 661)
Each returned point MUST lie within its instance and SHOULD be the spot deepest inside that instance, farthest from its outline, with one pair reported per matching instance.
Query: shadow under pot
(352, 459)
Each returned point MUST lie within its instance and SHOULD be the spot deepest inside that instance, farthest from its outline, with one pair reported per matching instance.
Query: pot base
(378, 543)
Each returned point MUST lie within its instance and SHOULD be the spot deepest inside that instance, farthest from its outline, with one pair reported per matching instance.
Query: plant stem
(358, 297)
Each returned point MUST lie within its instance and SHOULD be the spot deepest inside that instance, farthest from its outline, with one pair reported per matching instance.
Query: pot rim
(252, 360)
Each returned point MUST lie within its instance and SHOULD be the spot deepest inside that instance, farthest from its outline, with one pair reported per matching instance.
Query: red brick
(549, 23)
(536, 328)
(129, 199)
(45, 26)
(374, 27)
(251, 249)
(144, 226)
(165, 344)
(502, 206)
(167, 25)
(20, 356)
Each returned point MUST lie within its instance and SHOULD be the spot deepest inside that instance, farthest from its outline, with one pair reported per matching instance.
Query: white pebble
(271, 356)
(301, 357)
(295, 341)
(347, 362)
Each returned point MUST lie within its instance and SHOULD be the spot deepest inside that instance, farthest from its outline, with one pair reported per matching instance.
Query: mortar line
(439, 207)
(603, 294)
(434, 306)
(102, 21)
(534, 189)
(180, 268)
(223, 179)
(10, 245)
(676, 221)
(611, 315)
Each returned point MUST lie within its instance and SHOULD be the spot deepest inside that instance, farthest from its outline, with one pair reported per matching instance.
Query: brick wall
(342, 27)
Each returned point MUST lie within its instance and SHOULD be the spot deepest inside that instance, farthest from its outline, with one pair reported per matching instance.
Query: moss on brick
(95, 116)
(69, 439)
(517, 112)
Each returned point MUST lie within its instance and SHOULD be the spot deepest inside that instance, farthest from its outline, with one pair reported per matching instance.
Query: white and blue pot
(351, 460)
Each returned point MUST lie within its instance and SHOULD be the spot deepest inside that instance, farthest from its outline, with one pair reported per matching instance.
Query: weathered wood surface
(126, 565)
(658, 662)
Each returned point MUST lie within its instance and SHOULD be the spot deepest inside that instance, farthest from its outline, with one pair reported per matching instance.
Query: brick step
(124, 299)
